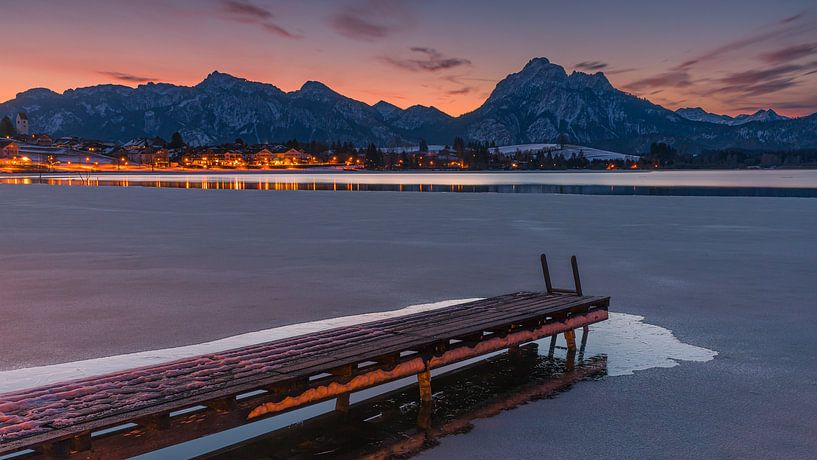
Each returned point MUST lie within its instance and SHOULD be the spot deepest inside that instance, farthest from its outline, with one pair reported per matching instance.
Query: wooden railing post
(576, 280)
(546, 273)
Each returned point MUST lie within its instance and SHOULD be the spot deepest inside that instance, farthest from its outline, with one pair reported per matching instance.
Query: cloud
(619, 71)
(246, 12)
(598, 66)
(591, 66)
(790, 53)
(671, 79)
(126, 77)
(761, 88)
(460, 91)
(785, 28)
(755, 76)
(355, 26)
(793, 18)
(758, 82)
(371, 20)
(245, 9)
(426, 60)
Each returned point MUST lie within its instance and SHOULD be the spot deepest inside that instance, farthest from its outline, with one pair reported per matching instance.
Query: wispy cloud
(671, 79)
(126, 77)
(591, 66)
(246, 12)
(790, 53)
(370, 20)
(460, 91)
(356, 26)
(426, 60)
(758, 82)
(742, 71)
(787, 27)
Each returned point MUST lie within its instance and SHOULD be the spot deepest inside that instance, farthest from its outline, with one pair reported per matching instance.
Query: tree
(238, 141)
(662, 154)
(562, 139)
(374, 157)
(459, 146)
(423, 146)
(176, 141)
(7, 128)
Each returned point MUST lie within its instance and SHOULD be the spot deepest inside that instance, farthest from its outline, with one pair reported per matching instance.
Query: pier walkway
(139, 410)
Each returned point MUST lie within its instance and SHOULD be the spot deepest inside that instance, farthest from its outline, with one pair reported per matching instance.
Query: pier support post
(585, 333)
(570, 360)
(342, 403)
(570, 338)
(424, 380)
(552, 347)
(424, 416)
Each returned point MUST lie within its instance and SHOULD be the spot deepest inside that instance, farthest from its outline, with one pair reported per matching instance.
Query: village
(24, 151)
(33, 151)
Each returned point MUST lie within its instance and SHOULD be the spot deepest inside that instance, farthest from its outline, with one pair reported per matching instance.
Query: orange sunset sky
(725, 56)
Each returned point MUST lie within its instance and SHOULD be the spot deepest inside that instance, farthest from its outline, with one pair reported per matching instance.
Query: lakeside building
(262, 158)
(9, 150)
(292, 157)
(159, 158)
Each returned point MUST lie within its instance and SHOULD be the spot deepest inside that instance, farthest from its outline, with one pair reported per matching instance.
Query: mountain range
(533, 105)
(699, 114)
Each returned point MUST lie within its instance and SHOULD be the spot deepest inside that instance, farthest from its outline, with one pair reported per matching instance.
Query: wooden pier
(140, 410)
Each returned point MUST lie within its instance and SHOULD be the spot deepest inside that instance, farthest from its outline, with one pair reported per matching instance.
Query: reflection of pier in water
(395, 424)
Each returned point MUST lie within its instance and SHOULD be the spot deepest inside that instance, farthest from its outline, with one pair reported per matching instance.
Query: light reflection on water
(797, 183)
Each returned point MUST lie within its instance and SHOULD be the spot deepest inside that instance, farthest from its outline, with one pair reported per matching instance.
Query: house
(215, 157)
(41, 139)
(22, 124)
(262, 158)
(159, 158)
(231, 160)
(9, 149)
(292, 157)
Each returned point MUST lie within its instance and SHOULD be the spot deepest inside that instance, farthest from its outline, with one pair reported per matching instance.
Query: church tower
(22, 124)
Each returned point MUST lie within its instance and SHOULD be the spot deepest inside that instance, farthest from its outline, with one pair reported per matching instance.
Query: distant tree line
(665, 156)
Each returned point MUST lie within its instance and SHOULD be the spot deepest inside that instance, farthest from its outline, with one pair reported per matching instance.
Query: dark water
(397, 425)
(447, 183)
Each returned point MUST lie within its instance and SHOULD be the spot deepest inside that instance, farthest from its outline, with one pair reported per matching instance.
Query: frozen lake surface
(94, 272)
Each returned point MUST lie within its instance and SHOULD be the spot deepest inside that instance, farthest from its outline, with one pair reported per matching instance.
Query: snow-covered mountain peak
(218, 79)
(36, 93)
(316, 88)
(699, 114)
(597, 81)
(386, 109)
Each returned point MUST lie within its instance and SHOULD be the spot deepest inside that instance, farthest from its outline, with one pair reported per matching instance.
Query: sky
(725, 56)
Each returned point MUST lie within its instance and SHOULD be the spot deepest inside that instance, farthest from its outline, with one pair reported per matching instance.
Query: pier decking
(139, 410)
